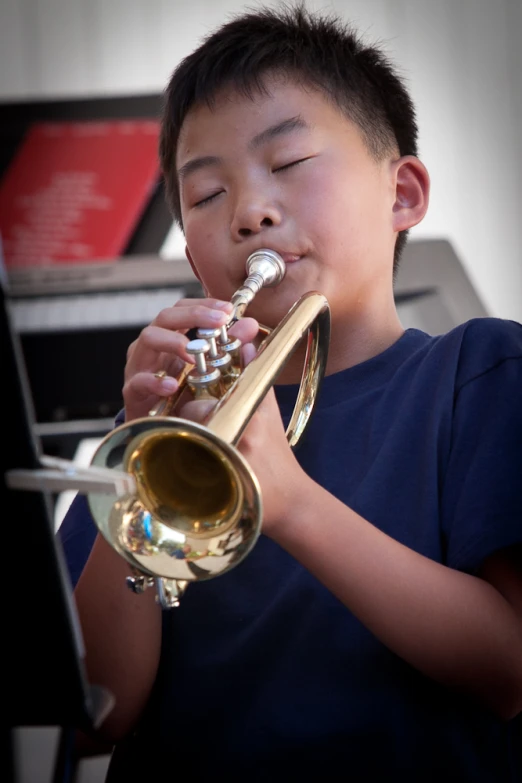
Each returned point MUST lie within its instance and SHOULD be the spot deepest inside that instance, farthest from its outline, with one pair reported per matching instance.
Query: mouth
(290, 258)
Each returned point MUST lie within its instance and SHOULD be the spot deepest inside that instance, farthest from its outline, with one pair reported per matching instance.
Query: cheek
(201, 233)
(201, 244)
(361, 214)
(329, 210)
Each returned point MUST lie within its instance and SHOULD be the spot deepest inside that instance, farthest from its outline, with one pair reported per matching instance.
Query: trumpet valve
(232, 347)
(203, 380)
(217, 357)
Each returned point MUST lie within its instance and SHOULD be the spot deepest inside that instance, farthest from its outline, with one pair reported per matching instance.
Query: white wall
(461, 58)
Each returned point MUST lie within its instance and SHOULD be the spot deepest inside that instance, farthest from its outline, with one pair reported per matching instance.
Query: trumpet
(195, 509)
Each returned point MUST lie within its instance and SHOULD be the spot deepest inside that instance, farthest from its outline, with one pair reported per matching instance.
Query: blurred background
(461, 58)
(110, 59)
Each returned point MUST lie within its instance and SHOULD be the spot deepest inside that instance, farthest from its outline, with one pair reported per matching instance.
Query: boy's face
(286, 171)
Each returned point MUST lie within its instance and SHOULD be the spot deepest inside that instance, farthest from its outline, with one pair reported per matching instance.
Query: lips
(289, 258)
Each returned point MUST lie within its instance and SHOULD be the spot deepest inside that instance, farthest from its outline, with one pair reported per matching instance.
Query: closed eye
(207, 199)
(291, 164)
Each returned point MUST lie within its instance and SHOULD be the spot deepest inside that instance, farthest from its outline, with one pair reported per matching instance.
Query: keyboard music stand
(46, 683)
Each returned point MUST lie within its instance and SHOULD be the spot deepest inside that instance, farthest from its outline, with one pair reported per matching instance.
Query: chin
(270, 311)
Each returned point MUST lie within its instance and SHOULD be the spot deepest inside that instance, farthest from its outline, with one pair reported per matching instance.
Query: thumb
(248, 353)
(197, 410)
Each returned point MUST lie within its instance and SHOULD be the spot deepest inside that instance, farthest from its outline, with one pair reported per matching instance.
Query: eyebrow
(191, 166)
(279, 129)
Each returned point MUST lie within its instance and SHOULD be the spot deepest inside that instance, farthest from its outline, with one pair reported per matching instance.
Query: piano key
(86, 311)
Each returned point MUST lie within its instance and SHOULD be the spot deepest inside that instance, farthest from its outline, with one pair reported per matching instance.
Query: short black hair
(320, 51)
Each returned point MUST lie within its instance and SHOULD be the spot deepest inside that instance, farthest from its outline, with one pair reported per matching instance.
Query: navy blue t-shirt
(264, 672)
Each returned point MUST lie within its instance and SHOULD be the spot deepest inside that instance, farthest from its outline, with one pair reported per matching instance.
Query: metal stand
(47, 684)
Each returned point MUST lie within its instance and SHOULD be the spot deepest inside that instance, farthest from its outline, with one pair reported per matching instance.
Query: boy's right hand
(161, 346)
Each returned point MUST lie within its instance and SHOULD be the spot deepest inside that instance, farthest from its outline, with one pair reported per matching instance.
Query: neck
(355, 338)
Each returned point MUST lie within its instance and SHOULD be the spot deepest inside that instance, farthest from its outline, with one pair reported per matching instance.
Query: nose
(254, 213)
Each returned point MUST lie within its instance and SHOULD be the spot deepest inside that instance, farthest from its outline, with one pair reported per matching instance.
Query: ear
(412, 192)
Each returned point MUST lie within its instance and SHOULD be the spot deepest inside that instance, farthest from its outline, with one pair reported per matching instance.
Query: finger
(208, 301)
(144, 385)
(156, 351)
(193, 313)
(154, 341)
(130, 349)
(248, 353)
(198, 410)
(246, 329)
(165, 335)
(265, 423)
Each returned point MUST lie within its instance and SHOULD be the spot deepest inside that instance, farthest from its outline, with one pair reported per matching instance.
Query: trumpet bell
(197, 508)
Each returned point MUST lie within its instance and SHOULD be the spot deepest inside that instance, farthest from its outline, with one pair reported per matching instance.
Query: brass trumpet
(197, 509)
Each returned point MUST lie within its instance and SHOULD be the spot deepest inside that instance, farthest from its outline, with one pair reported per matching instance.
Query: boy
(375, 630)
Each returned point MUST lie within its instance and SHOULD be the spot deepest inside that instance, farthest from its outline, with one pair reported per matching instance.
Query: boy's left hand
(265, 447)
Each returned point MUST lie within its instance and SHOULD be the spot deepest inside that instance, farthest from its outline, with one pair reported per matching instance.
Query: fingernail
(169, 385)
(217, 315)
(224, 305)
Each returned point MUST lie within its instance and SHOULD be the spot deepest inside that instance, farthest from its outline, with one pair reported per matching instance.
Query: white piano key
(100, 310)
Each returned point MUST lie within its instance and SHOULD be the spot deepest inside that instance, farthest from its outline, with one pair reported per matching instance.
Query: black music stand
(45, 679)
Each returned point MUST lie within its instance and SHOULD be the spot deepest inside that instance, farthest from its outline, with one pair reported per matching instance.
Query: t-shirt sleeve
(78, 530)
(482, 498)
(77, 534)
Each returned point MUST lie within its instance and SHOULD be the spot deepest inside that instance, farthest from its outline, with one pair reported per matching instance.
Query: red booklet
(75, 191)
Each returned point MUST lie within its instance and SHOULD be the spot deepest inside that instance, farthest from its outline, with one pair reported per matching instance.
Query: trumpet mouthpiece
(265, 268)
